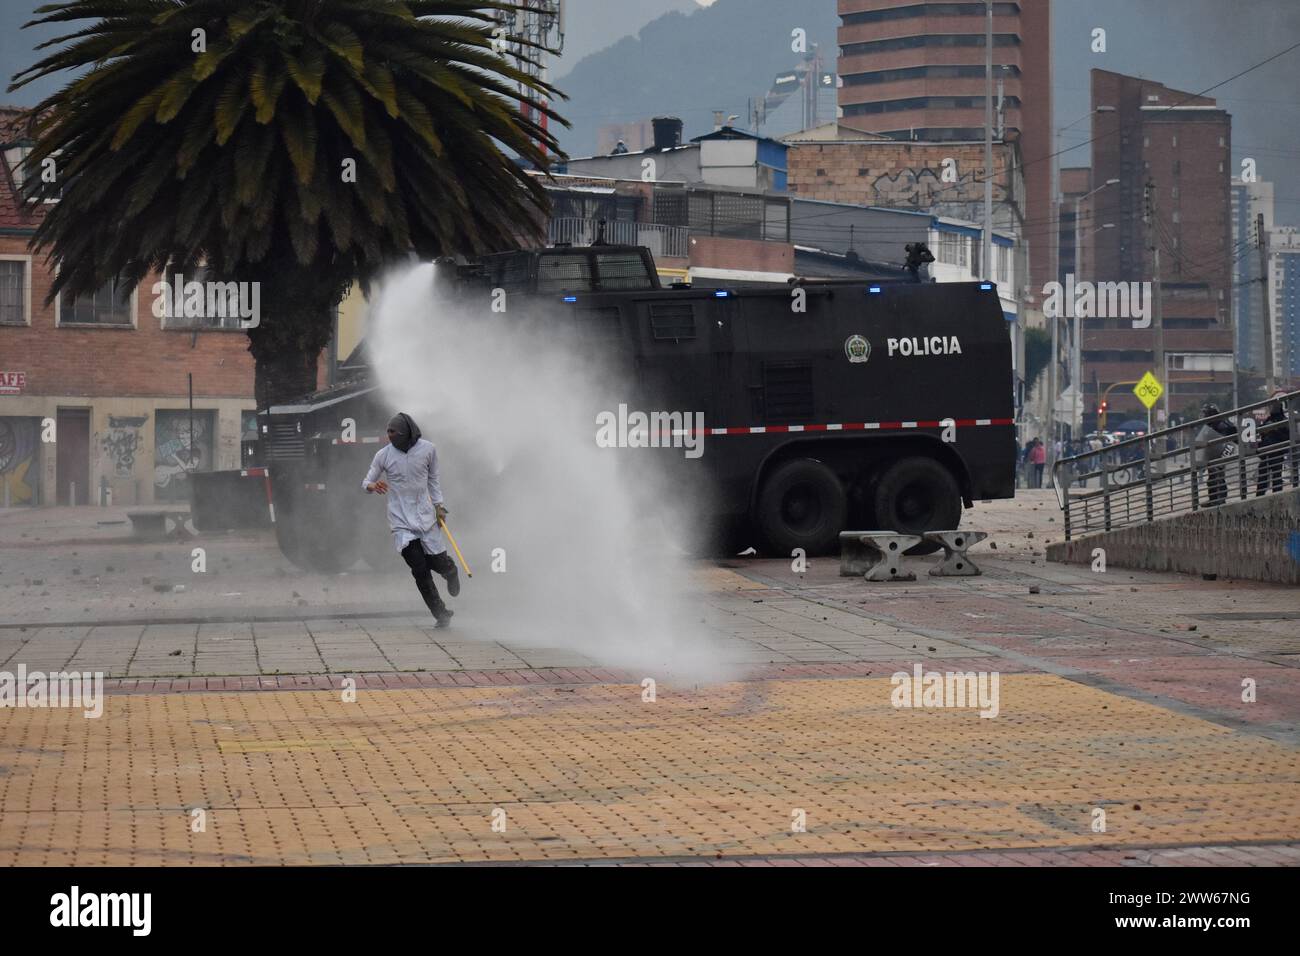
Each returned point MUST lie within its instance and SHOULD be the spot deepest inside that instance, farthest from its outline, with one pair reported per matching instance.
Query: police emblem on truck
(857, 349)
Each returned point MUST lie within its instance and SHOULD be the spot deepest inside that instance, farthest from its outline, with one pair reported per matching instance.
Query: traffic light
(1101, 416)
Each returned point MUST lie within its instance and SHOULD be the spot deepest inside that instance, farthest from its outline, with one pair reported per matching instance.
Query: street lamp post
(1078, 324)
(1053, 387)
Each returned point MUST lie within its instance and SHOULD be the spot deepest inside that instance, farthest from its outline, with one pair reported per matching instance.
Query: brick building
(916, 71)
(1181, 145)
(108, 375)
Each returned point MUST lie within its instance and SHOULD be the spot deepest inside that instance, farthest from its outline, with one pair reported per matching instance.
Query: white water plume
(587, 539)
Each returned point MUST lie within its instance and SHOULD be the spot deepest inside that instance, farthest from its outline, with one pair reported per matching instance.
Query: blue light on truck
(874, 288)
(721, 293)
(986, 285)
(570, 298)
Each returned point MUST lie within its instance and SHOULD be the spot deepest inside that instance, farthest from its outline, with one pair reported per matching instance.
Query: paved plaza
(1143, 719)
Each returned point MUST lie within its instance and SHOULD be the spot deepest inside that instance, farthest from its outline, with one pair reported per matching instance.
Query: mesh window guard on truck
(672, 321)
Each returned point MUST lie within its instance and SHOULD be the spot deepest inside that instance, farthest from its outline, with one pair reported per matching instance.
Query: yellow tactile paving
(707, 578)
(414, 776)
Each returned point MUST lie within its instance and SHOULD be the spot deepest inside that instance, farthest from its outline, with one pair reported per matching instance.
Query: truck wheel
(915, 495)
(378, 551)
(802, 505)
(313, 537)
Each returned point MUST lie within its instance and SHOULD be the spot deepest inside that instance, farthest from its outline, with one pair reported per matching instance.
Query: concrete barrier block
(875, 555)
(955, 561)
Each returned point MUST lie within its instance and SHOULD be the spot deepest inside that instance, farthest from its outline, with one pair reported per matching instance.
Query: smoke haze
(587, 541)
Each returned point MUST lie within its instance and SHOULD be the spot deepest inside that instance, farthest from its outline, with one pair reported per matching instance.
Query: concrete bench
(955, 561)
(875, 555)
(155, 524)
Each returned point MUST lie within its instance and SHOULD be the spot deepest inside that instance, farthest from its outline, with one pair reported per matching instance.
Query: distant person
(1038, 457)
(619, 148)
(414, 509)
(1274, 431)
(918, 262)
(1208, 456)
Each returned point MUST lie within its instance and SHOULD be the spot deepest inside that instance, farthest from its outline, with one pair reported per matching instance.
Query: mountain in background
(715, 58)
(592, 25)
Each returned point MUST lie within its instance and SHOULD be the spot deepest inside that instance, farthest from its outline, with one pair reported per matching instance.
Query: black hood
(408, 433)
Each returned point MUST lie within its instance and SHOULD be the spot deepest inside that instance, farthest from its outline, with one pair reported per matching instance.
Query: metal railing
(1231, 456)
(660, 240)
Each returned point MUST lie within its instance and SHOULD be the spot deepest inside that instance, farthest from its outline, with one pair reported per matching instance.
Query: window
(623, 270)
(571, 273)
(939, 72)
(928, 40)
(15, 290)
(16, 157)
(924, 102)
(953, 249)
(105, 306)
(217, 308)
(930, 10)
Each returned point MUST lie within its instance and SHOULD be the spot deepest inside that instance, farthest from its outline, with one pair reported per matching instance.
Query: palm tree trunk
(296, 323)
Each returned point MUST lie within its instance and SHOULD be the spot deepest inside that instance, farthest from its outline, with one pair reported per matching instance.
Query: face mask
(407, 432)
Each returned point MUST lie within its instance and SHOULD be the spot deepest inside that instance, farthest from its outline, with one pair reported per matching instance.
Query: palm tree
(302, 144)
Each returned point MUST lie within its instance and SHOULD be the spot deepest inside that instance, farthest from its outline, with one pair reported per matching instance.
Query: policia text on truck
(881, 405)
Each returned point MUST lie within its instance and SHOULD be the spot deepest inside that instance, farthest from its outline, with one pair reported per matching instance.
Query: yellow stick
(442, 524)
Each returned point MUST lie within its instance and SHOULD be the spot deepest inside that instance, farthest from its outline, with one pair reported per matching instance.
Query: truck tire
(377, 549)
(311, 534)
(915, 495)
(802, 505)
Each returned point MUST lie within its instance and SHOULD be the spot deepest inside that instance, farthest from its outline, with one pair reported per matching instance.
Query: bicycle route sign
(1148, 390)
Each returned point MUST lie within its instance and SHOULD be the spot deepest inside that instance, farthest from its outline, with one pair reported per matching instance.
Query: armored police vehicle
(826, 405)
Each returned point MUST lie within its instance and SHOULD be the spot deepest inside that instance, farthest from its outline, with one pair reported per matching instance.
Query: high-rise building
(916, 71)
(1249, 202)
(1170, 152)
(1076, 183)
(1284, 288)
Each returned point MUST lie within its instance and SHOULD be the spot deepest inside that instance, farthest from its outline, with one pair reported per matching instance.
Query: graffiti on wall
(923, 187)
(19, 472)
(121, 441)
(178, 450)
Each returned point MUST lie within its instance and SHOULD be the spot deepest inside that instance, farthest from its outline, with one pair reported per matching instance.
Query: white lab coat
(413, 490)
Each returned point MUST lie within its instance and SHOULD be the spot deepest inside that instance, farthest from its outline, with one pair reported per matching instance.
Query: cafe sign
(12, 383)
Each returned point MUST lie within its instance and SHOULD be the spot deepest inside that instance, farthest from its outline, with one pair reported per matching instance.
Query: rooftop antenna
(537, 32)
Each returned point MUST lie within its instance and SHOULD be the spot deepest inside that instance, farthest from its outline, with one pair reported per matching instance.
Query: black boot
(432, 600)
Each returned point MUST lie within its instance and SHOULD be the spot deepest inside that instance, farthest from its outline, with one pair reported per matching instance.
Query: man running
(414, 509)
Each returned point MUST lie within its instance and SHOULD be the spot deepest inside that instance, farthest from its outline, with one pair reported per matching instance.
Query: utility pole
(987, 262)
(1157, 317)
(1262, 238)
